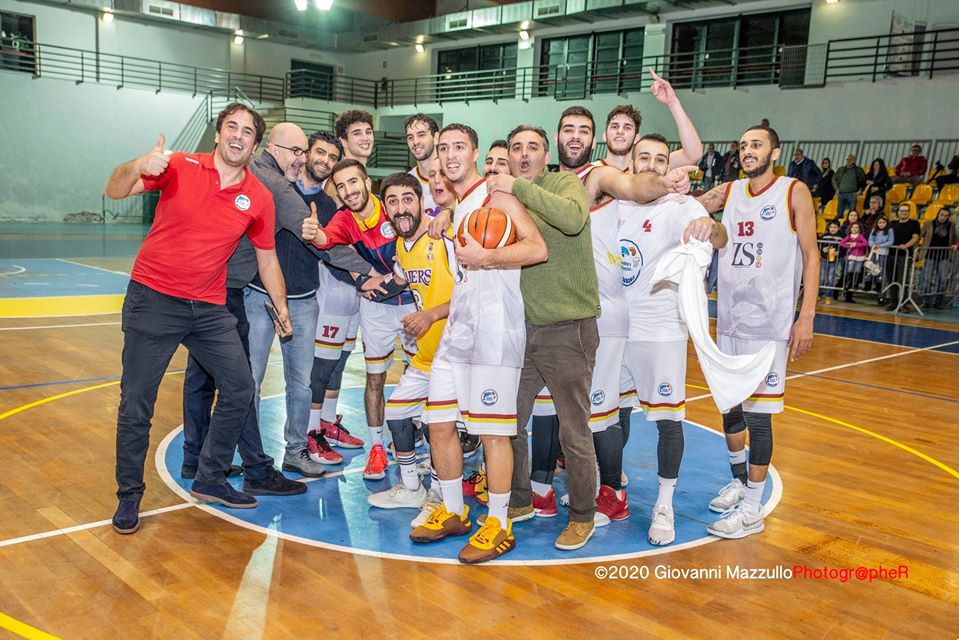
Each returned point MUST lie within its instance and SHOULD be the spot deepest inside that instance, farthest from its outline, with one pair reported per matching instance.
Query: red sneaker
(475, 487)
(338, 436)
(376, 463)
(320, 450)
(608, 504)
(545, 506)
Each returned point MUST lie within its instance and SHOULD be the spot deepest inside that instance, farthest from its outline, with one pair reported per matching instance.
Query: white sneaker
(600, 519)
(661, 530)
(433, 500)
(564, 499)
(738, 522)
(729, 496)
(623, 479)
(398, 497)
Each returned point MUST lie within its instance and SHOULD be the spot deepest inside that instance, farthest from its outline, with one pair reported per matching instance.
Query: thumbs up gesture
(312, 230)
(677, 180)
(156, 160)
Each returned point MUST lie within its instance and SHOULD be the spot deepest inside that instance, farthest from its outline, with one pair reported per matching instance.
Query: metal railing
(918, 53)
(391, 151)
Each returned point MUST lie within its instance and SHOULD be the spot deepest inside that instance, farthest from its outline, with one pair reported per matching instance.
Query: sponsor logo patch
(597, 398)
(489, 397)
(631, 261)
(387, 230)
(772, 380)
(768, 212)
(665, 389)
(242, 202)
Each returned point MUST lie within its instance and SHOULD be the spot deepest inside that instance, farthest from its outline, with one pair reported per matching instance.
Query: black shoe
(188, 471)
(127, 518)
(222, 494)
(469, 444)
(235, 471)
(275, 484)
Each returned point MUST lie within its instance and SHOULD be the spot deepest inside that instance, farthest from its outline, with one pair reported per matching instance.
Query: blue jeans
(827, 278)
(847, 201)
(297, 359)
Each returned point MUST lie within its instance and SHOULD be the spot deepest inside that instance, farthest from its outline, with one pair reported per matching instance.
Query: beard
(400, 221)
(761, 168)
(571, 161)
(317, 177)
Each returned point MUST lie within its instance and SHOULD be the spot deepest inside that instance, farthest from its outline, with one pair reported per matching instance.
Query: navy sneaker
(223, 494)
(127, 518)
(275, 484)
(188, 471)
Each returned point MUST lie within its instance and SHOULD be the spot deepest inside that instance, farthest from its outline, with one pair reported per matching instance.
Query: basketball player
(622, 130)
(430, 269)
(421, 133)
(497, 159)
(339, 305)
(363, 224)
(354, 129)
(476, 370)
(772, 227)
(656, 346)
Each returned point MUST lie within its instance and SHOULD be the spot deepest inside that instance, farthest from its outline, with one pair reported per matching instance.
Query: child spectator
(829, 250)
(879, 242)
(856, 247)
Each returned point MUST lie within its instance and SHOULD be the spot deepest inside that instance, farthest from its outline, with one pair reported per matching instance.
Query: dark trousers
(561, 357)
(154, 325)
(198, 390)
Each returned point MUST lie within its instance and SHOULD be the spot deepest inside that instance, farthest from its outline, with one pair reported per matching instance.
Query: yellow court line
(24, 630)
(59, 306)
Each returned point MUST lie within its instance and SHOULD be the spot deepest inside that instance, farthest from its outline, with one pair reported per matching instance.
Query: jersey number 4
(746, 228)
(647, 227)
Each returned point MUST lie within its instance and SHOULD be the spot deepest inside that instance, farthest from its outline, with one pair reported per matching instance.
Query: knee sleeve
(404, 434)
(625, 419)
(669, 450)
(545, 448)
(734, 422)
(336, 377)
(760, 438)
(320, 378)
(609, 455)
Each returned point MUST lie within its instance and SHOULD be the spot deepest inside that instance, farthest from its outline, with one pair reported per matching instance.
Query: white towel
(731, 379)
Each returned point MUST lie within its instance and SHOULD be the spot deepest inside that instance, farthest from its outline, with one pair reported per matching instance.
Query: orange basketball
(492, 228)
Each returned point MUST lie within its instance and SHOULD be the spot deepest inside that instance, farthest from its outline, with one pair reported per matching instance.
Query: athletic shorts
(768, 397)
(408, 399)
(380, 324)
(338, 319)
(482, 396)
(659, 371)
(627, 388)
(604, 390)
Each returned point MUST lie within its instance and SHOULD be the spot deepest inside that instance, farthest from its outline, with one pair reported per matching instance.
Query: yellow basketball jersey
(429, 266)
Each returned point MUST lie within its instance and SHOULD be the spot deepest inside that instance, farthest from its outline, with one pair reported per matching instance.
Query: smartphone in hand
(271, 310)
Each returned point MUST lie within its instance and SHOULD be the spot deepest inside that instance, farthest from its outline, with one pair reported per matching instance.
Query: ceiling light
(237, 40)
(525, 44)
(300, 5)
(524, 35)
(524, 25)
(420, 48)
(107, 17)
(832, 1)
(323, 5)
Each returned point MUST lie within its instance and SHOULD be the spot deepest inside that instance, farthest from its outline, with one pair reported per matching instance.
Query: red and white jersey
(647, 232)
(429, 204)
(760, 268)
(487, 323)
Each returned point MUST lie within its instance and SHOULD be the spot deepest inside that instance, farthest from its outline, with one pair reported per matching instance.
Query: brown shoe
(575, 535)
(489, 543)
(441, 524)
(513, 514)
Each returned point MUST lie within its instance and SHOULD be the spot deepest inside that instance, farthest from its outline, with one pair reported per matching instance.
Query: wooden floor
(869, 479)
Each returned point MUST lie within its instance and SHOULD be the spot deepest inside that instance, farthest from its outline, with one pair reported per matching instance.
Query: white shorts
(381, 323)
(627, 388)
(339, 317)
(659, 370)
(482, 396)
(408, 399)
(768, 397)
(604, 392)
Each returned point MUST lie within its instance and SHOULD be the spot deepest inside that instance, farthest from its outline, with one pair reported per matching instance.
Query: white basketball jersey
(760, 269)
(613, 320)
(647, 232)
(487, 323)
(429, 204)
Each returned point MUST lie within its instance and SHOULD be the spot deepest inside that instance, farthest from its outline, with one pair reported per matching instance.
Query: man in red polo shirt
(177, 295)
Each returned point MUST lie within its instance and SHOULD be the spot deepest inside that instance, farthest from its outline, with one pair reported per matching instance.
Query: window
(17, 51)
(460, 76)
(311, 80)
(576, 66)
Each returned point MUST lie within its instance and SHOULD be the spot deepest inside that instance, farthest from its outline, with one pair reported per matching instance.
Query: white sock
(328, 410)
(452, 492)
(376, 435)
(754, 496)
(540, 488)
(666, 487)
(737, 457)
(435, 482)
(408, 474)
(314, 422)
(499, 506)
(599, 481)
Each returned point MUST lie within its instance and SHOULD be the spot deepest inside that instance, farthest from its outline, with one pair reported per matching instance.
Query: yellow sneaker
(489, 543)
(441, 524)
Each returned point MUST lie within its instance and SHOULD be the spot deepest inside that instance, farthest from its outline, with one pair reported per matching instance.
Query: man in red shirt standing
(177, 295)
(912, 168)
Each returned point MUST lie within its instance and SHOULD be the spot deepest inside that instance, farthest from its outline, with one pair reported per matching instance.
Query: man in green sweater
(848, 180)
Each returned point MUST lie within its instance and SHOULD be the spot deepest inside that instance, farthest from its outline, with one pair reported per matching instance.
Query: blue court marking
(334, 512)
(78, 381)
(44, 278)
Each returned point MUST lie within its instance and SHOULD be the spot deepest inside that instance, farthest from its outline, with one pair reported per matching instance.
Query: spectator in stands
(829, 250)
(852, 218)
(849, 181)
(825, 190)
(912, 168)
(905, 236)
(856, 246)
(938, 238)
(951, 175)
(878, 181)
(804, 169)
(731, 164)
(879, 242)
(711, 164)
(868, 218)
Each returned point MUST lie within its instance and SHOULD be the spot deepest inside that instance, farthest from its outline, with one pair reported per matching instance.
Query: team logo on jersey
(631, 262)
(772, 380)
(242, 202)
(489, 397)
(597, 398)
(665, 389)
(387, 230)
(747, 254)
(768, 212)
(419, 276)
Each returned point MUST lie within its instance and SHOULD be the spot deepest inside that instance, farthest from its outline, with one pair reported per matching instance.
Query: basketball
(492, 228)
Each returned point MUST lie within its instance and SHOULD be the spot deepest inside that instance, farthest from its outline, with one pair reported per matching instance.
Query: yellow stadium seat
(897, 194)
(820, 225)
(832, 208)
(921, 195)
(815, 203)
(696, 176)
(933, 210)
(861, 202)
(779, 170)
(891, 171)
(949, 194)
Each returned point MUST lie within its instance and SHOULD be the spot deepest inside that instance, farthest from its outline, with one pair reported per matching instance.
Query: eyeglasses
(296, 150)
